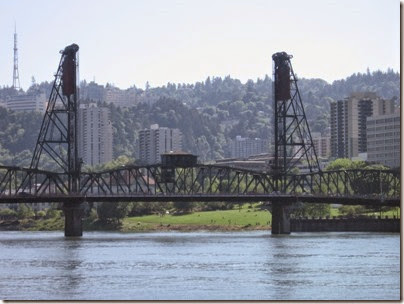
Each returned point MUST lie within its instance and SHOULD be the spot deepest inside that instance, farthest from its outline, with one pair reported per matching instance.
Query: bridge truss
(202, 183)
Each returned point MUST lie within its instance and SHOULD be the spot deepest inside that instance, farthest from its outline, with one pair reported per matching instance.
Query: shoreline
(30, 226)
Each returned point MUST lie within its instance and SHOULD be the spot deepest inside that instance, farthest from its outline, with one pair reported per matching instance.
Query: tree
(7, 214)
(351, 210)
(112, 212)
(52, 213)
(24, 211)
(312, 210)
(183, 207)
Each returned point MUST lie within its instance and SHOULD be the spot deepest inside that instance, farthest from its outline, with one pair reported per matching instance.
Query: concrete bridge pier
(280, 218)
(73, 219)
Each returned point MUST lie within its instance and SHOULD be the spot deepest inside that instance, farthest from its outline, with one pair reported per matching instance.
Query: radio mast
(16, 77)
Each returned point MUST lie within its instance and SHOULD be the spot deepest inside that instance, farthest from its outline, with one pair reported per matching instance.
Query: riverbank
(219, 220)
(244, 219)
(39, 225)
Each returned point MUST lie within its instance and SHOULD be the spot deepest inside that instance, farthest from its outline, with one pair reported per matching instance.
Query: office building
(27, 102)
(95, 134)
(322, 144)
(244, 147)
(348, 122)
(383, 139)
(157, 140)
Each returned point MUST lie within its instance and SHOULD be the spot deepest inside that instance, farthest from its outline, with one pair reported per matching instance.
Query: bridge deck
(281, 198)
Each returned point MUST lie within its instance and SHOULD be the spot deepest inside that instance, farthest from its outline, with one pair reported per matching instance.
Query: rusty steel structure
(202, 183)
(59, 130)
(293, 142)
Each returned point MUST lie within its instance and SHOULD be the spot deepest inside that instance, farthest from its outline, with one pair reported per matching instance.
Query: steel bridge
(201, 183)
(276, 186)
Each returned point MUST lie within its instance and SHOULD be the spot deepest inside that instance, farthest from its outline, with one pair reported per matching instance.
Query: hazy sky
(131, 42)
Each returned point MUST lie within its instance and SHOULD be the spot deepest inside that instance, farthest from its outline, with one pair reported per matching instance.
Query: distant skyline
(129, 42)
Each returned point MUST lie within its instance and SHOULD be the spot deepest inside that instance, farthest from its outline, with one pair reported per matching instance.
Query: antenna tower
(16, 77)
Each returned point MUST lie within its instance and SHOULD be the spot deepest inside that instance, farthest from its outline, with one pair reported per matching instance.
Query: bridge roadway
(280, 198)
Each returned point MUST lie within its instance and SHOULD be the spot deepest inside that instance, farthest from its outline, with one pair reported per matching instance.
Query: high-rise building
(95, 134)
(244, 147)
(383, 139)
(157, 140)
(322, 144)
(348, 122)
(27, 102)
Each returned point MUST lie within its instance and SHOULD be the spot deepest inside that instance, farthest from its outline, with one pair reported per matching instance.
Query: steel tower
(16, 76)
(293, 141)
(58, 137)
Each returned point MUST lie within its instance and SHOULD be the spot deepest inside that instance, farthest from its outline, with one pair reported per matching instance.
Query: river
(199, 266)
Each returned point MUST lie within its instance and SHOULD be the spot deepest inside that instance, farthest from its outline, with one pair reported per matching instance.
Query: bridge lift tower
(293, 142)
(58, 136)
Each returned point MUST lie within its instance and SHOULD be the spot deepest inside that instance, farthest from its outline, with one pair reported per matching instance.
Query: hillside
(209, 113)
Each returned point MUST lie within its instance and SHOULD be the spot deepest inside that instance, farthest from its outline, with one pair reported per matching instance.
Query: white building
(322, 144)
(383, 139)
(244, 147)
(120, 98)
(157, 140)
(27, 102)
(95, 134)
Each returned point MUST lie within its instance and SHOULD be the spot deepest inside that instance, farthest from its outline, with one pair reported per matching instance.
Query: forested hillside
(209, 114)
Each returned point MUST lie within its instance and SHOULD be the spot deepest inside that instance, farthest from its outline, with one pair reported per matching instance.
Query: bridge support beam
(280, 218)
(73, 219)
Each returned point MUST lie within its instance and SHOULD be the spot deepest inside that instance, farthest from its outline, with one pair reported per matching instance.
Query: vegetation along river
(249, 265)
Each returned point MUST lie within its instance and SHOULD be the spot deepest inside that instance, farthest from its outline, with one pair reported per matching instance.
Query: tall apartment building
(244, 147)
(322, 144)
(157, 140)
(348, 122)
(383, 139)
(27, 102)
(95, 134)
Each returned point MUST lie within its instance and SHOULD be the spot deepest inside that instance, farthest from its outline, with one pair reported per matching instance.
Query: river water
(199, 266)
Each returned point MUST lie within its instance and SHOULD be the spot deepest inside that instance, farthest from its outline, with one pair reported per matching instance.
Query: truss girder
(201, 180)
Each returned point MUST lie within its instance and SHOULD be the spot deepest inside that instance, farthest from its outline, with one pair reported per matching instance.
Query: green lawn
(391, 213)
(246, 217)
(240, 218)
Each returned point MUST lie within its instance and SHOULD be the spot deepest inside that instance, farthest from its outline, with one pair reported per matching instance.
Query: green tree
(183, 207)
(7, 213)
(311, 210)
(24, 211)
(112, 212)
(350, 211)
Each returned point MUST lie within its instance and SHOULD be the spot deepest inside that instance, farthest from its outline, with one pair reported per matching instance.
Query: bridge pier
(280, 218)
(73, 219)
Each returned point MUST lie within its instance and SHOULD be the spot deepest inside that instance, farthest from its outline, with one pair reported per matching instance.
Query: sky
(130, 42)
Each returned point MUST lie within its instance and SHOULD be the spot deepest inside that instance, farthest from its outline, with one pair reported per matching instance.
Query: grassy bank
(211, 220)
(247, 218)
